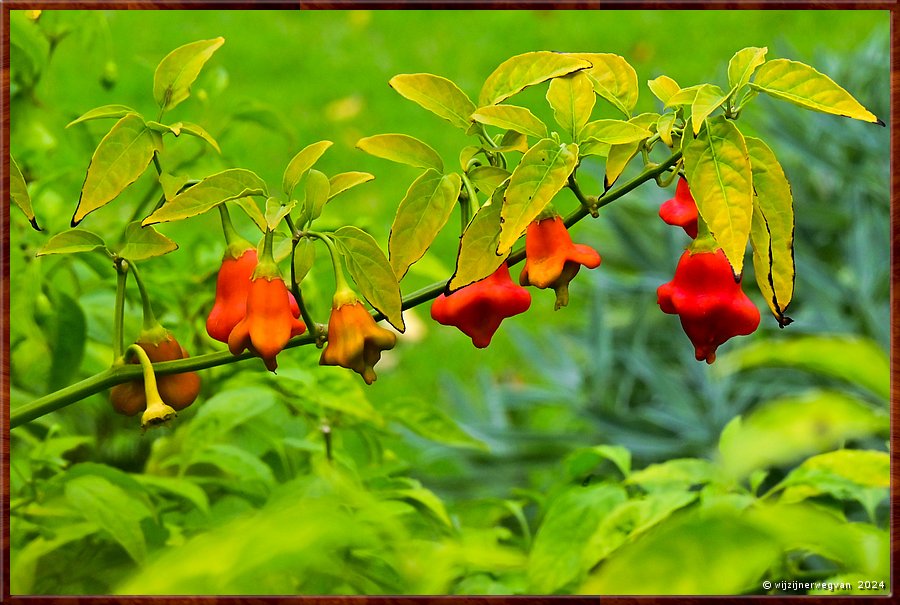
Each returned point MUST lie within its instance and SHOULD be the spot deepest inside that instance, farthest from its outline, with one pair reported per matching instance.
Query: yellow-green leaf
(438, 95)
(195, 130)
(248, 205)
(171, 184)
(511, 117)
(540, 175)
(743, 64)
(120, 158)
(709, 98)
(476, 258)
(347, 180)
(421, 215)
(207, 194)
(403, 149)
(685, 96)
(276, 211)
(304, 257)
(487, 178)
(594, 147)
(300, 163)
(511, 140)
(664, 128)
(865, 467)
(177, 71)
(613, 78)
(318, 192)
(521, 71)
(572, 99)
(619, 155)
(664, 88)
(772, 229)
(614, 132)
(99, 113)
(18, 192)
(372, 272)
(467, 154)
(144, 242)
(717, 166)
(802, 85)
(72, 241)
(858, 361)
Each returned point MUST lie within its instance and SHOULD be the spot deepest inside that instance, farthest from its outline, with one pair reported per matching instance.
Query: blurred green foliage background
(505, 470)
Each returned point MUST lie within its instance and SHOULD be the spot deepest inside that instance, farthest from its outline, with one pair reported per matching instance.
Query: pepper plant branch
(119, 310)
(117, 375)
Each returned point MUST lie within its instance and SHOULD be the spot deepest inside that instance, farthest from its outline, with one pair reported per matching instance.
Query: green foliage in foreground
(257, 493)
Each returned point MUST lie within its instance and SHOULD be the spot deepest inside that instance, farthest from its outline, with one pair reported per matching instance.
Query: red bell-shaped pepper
(552, 260)
(355, 341)
(269, 321)
(478, 308)
(710, 302)
(681, 210)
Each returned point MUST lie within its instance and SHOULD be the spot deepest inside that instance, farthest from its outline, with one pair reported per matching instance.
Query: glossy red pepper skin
(269, 323)
(709, 301)
(479, 308)
(176, 390)
(552, 260)
(681, 210)
(355, 341)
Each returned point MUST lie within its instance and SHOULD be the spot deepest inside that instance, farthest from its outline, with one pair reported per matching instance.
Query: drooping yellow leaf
(528, 69)
(572, 99)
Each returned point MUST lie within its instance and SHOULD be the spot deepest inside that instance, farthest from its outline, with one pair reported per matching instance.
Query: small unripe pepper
(681, 210)
(709, 300)
(355, 341)
(552, 260)
(177, 390)
(479, 308)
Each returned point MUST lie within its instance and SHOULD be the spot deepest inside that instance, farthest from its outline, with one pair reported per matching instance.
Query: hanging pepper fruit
(479, 308)
(709, 300)
(355, 341)
(177, 390)
(681, 210)
(552, 260)
(270, 319)
(232, 286)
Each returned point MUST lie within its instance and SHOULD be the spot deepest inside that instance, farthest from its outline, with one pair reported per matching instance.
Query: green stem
(156, 163)
(467, 207)
(113, 376)
(232, 238)
(340, 281)
(150, 321)
(311, 325)
(119, 311)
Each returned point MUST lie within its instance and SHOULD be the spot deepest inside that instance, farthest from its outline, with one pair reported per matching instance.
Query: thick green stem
(340, 281)
(119, 311)
(233, 240)
(113, 376)
(469, 206)
(150, 321)
(156, 163)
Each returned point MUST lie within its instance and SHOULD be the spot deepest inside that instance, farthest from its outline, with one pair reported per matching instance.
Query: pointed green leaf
(685, 96)
(802, 85)
(18, 192)
(664, 128)
(144, 242)
(427, 420)
(300, 163)
(717, 166)
(664, 88)
(572, 99)
(772, 229)
(857, 361)
(198, 131)
(318, 192)
(476, 258)
(614, 132)
(594, 147)
(304, 257)
(171, 184)
(347, 180)
(424, 211)
(178, 486)
(207, 194)
(403, 149)
(511, 117)
(248, 205)
(709, 98)
(72, 241)
(613, 78)
(372, 272)
(540, 175)
(619, 155)
(120, 158)
(177, 71)
(743, 64)
(164, 128)
(487, 178)
(99, 113)
(525, 70)
(276, 211)
(436, 94)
